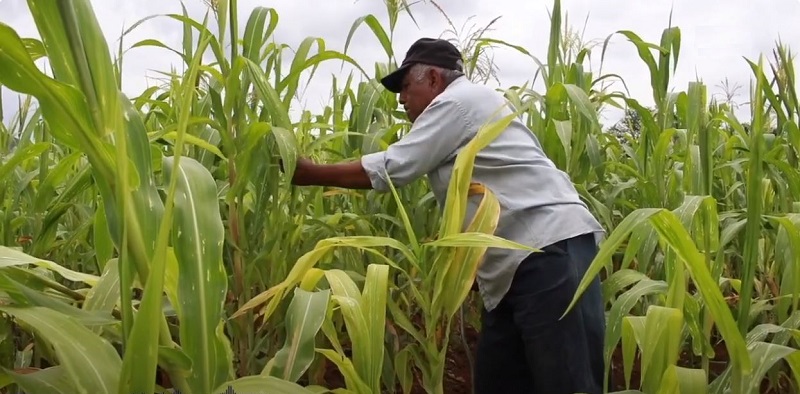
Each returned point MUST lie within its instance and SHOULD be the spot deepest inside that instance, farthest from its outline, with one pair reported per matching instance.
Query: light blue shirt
(539, 203)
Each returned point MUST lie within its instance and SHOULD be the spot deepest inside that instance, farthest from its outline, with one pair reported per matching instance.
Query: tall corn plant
(686, 169)
(242, 113)
(241, 128)
(686, 155)
(86, 113)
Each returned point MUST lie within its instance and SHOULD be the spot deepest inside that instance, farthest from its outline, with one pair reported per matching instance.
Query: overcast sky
(716, 35)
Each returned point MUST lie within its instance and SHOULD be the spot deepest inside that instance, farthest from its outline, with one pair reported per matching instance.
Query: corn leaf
(12, 257)
(198, 237)
(91, 362)
(261, 385)
(49, 380)
(304, 318)
(364, 316)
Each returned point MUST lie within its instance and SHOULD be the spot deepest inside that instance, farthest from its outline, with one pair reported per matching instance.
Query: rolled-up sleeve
(437, 133)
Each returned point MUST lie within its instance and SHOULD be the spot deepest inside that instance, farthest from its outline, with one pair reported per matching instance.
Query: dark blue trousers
(525, 348)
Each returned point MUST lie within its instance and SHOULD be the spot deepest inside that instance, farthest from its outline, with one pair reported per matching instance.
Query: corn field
(153, 244)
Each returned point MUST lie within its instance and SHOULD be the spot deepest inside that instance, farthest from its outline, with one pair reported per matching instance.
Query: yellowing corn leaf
(661, 344)
(461, 178)
(352, 380)
(456, 275)
(365, 319)
(306, 262)
(681, 380)
(304, 318)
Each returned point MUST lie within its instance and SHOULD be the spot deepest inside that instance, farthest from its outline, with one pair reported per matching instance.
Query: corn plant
(86, 113)
(152, 243)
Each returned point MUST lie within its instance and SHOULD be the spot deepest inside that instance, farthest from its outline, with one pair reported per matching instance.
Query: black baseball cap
(430, 51)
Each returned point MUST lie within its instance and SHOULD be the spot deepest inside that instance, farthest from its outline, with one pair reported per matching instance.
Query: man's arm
(436, 134)
(349, 175)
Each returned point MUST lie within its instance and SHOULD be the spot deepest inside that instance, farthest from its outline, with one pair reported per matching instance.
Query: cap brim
(394, 81)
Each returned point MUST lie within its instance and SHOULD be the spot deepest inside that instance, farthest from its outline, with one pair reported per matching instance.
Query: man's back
(539, 203)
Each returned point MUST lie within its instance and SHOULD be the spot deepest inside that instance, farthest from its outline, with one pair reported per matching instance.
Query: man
(524, 347)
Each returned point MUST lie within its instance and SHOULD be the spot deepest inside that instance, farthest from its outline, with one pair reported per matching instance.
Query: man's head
(429, 66)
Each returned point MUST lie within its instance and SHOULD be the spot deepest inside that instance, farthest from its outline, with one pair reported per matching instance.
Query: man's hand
(349, 175)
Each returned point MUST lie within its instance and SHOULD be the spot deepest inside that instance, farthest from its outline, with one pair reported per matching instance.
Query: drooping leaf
(90, 361)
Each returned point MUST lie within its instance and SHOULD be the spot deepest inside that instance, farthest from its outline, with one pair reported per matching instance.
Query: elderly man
(524, 347)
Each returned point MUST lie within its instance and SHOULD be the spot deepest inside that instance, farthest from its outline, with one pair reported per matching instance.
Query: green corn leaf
(12, 257)
(25, 296)
(764, 356)
(105, 295)
(620, 280)
(21, 155)
(61, 104)
(633, 332)
(671, 232)
(622, 307)
(260, 385)
(103, 244)
(372, 22)
(268, 96)
(54, 380)
(90, 361)
(198, 237)
(255, 34)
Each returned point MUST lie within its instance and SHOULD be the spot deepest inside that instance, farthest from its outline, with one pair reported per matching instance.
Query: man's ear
(435, 78)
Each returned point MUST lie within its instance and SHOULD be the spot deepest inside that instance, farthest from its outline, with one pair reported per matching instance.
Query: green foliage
(151, 243)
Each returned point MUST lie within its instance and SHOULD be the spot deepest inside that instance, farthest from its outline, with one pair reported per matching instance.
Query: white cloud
(716, 35)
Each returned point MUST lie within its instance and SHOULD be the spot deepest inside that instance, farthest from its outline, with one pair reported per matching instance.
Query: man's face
(417, 93)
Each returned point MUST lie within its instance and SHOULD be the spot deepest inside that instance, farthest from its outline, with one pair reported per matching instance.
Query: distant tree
(629, 127)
